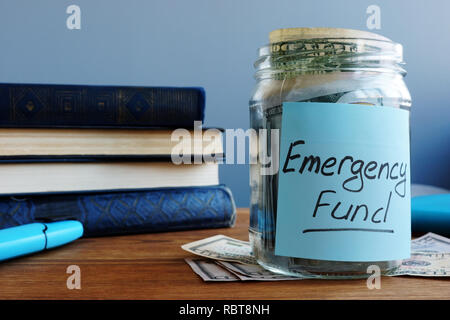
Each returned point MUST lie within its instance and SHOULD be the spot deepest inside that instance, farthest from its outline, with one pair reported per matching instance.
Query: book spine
(113, 213)
(33, 105)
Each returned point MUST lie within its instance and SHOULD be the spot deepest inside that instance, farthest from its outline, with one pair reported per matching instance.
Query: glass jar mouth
(329, 54)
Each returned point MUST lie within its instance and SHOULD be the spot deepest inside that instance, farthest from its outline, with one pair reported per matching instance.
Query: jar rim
(327, 49)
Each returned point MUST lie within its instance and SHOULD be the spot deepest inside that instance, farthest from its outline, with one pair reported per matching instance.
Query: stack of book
(102, 155)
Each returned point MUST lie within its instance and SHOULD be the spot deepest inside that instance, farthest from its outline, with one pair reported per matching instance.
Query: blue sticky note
(344, 183)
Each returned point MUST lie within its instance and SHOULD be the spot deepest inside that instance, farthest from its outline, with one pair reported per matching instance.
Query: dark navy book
(75, 106)
(126, 212)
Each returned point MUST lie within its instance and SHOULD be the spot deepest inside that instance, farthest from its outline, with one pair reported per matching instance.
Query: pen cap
(62, 232)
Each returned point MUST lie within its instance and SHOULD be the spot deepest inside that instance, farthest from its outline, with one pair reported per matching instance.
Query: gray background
(213, 44)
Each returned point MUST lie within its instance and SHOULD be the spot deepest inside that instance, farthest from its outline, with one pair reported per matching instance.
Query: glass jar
(316, 65)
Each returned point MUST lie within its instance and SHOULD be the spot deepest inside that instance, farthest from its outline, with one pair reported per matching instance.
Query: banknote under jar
(317, 65)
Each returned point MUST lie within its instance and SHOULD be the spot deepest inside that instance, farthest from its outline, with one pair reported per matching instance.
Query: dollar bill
(232, 259)
(431, 243)
(210, 271)
(224, 248)
(253, 272)
(425, 265)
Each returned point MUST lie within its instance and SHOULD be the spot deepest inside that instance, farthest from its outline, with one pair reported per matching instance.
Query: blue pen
(34, 237)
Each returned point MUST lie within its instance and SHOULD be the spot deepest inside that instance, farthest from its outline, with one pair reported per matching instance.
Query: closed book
(112, 213)
(49, 105)
(45, 177)
(87, 144)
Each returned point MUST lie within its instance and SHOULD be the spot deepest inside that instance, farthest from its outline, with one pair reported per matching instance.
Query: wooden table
(152, 266)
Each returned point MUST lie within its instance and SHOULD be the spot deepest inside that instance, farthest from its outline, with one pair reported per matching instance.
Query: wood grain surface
(152, 266)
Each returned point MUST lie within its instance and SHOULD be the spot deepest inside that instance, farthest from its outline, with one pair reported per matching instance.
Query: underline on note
(349, 229)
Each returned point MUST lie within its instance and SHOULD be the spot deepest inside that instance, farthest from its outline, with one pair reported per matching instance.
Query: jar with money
(330, 190)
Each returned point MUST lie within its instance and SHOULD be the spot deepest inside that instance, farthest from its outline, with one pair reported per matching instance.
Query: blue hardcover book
(112, 213)
(76, 106)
